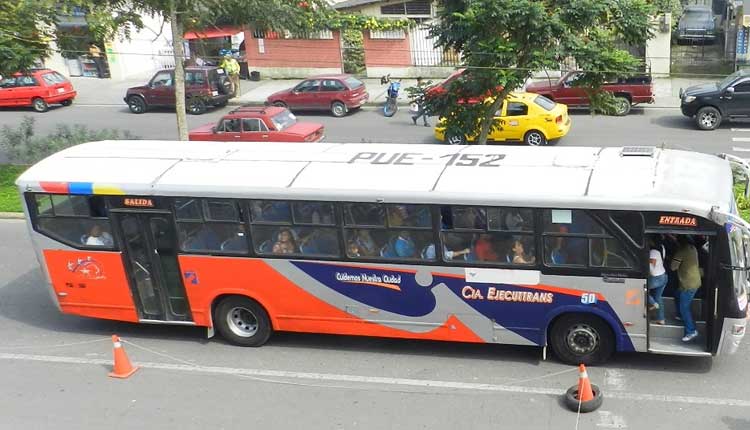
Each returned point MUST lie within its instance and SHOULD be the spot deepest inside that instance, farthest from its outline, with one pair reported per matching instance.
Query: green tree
(26, 27)
(502, 42)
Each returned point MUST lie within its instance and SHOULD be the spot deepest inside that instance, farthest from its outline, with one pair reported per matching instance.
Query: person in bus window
(352, 250)
(98, 237)
(519, 255)
(657, 278)
(365, 243)
(284, 242)
(484, 248)
(685, 262)
(397, 215)
(404, 245)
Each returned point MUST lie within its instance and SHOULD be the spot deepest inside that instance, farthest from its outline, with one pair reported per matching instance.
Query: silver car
(697, 24)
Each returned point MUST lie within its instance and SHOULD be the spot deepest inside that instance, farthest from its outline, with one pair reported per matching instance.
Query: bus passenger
(404, 245)
(284, 242)
(352, 250)
(98, 237)
(657, 278)
(484, 249)
(685, 262)
(519, 255)
(365, 243)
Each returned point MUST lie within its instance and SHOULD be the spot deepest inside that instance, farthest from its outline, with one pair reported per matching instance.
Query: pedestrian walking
(418, 103)
(232, 67)
(96, 54)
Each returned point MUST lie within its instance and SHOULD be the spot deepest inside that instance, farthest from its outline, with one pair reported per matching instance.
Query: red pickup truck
(628, 91)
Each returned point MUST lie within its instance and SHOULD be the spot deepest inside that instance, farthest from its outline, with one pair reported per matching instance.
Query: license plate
(215, 93)
(61, 90)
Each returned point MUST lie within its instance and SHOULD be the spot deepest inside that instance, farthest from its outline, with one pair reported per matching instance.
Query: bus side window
(572, 238)
(210, 226)
(79, 221)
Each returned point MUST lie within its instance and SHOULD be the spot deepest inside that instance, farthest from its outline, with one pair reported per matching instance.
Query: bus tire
(581, 338)
(242, 321)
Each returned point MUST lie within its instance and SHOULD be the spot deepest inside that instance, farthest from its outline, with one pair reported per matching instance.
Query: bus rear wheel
(242, 321)
(582, 338)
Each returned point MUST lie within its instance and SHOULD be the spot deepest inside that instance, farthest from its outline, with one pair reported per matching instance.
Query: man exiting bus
(685, 262)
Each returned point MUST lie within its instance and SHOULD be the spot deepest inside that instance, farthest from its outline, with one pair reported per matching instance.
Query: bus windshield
(738, 250)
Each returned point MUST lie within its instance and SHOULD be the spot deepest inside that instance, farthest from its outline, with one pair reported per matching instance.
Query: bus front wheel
(582, 338)
(242, 321)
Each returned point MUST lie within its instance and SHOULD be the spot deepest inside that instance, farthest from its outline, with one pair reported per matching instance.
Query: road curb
(11, 215)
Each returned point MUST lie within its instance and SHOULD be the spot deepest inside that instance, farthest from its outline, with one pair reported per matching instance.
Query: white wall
(139, 57)
(659, 48)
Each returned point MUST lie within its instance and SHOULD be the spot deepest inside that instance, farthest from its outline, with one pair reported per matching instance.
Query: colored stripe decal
(54, 187)
(81, 188)
(108, 189)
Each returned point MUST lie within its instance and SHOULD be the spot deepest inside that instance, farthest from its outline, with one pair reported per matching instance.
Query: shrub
(24, 147)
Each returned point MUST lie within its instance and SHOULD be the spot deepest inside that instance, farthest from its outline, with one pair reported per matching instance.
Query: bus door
(149, 244)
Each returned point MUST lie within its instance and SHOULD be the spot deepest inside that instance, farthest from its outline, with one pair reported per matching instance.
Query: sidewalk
(93, 91)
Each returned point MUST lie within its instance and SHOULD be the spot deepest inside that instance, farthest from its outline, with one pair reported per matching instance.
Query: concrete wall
(293, 57)
(658, 49)
(145, 52)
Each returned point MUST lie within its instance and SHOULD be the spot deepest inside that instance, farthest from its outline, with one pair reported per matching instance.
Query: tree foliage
(502, 42)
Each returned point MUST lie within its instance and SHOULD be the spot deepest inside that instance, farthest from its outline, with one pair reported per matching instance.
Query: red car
(443, 87)
(627, 91)
(37, 88)
(337, 93)
(259, 124)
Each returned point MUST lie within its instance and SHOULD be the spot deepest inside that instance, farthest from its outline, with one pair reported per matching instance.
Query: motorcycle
(391, 100)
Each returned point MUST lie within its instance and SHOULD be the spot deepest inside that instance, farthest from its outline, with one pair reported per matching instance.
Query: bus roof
(642, 178)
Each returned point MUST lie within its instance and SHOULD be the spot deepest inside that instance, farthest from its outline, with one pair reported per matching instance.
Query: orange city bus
(529, 246)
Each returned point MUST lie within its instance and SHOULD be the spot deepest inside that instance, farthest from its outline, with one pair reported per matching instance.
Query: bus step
(675, 346)
(673, 329)
(670, 308)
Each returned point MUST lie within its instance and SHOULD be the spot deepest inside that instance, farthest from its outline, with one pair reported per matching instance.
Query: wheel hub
(582, 339)
(242, 322)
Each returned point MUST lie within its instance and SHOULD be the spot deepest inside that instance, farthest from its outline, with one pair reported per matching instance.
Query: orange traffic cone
(122, 367)
(585, 393)
(584, 397)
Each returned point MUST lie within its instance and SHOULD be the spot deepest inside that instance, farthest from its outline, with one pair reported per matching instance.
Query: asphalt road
(53, 367)
(53, 374)
(644, 126)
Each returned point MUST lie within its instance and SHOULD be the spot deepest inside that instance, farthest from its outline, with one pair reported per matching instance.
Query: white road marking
(608, 420)
(378, 380)
(740, 149)
(741, 139)
(615, 380)
(741, 129)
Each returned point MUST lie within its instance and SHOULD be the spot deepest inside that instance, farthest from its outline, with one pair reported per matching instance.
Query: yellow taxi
(524, 117)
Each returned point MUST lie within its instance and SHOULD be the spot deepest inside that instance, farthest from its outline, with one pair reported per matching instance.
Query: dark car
(204, 87)
(337, 93)
(37, 88)
(696, 25)
(712, 103)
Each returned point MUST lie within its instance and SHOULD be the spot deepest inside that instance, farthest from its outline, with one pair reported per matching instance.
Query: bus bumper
(731, 335)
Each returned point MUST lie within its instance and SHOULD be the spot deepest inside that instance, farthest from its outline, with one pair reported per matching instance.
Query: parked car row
(538, 116)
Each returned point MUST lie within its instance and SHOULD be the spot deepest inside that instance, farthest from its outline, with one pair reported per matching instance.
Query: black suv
(204, 87)
(712, 103)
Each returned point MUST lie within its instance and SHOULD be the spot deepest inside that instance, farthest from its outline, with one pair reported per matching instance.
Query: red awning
(210, 33)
